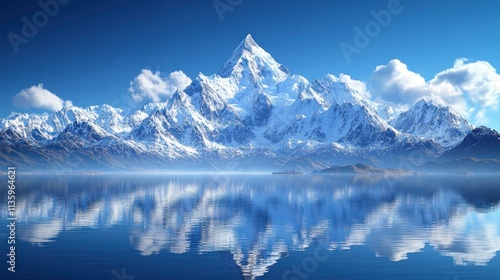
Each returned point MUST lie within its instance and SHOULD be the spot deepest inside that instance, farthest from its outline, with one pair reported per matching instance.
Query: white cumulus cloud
(151, 87)
(471, 88)
(38, 97)
(179, 79)
(396, 84)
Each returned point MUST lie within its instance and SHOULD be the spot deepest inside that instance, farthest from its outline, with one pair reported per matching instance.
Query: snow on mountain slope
(250, 65)
(136, 118)
(342, 123)
(84, 133)
(334, 91)
(206, 96)
(67, 115)
(432, 121)
(253, 109)
(153, 133)
(50, 125)
(111, 119)
(385, 111)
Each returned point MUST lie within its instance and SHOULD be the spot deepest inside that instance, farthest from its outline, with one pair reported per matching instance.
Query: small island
(361, 169)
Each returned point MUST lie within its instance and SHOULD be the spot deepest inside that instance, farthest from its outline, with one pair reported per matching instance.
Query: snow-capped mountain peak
(83, 133)
(251, 64)
(248, 43)
(430, 120)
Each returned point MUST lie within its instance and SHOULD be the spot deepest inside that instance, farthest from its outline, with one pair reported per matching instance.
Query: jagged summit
(430, 120)
(250, 61)
(82, 133)
(247, 46)
(248, 43)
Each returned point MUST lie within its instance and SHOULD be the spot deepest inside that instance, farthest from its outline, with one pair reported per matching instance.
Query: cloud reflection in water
(259, 219)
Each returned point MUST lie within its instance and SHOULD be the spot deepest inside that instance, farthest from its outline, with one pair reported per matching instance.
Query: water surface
(255, 227)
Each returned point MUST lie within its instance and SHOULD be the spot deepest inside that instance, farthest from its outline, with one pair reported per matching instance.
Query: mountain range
(252, 115)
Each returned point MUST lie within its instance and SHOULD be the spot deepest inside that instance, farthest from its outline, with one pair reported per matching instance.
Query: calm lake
(127, 227)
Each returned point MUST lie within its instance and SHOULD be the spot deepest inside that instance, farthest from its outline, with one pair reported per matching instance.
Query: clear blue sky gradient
(90, 50)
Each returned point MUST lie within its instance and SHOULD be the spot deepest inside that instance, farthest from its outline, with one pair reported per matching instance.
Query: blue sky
(89, 51)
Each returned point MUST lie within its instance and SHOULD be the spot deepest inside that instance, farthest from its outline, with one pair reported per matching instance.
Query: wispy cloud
(151, 87)
(38, 97)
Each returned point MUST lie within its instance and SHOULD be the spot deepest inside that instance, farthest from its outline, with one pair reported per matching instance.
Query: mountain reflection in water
(256, 220)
